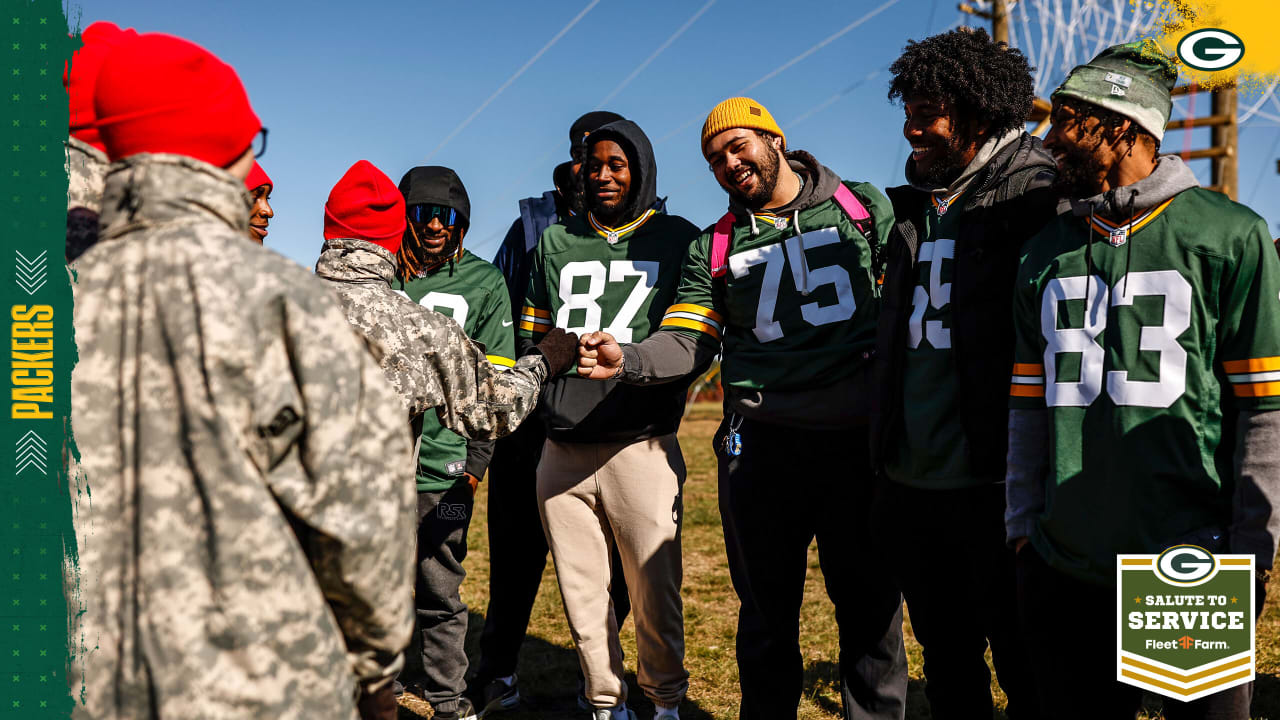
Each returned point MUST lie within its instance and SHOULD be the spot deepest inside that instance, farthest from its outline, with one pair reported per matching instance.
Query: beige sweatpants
(592, 495)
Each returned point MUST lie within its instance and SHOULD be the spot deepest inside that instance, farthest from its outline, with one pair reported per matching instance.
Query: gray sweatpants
(437, 656)
(591, 496)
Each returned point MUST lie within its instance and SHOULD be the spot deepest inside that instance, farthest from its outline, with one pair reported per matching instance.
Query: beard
(948, 167)
(1080, 173)
(767, 174)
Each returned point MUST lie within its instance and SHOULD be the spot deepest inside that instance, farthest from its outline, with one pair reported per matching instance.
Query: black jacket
(1012, 200)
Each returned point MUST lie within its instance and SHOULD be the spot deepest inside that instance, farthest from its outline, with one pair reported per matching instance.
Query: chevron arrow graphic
(31, 451)
(31, 273)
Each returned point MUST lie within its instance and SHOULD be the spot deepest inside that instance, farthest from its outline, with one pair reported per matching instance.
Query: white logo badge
(1210, 49)
(1118, 236)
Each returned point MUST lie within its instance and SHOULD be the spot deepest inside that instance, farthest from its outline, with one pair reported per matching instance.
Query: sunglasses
(259, 145)
(424, 214)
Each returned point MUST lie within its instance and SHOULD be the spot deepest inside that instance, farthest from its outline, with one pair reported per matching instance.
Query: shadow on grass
(548, 683)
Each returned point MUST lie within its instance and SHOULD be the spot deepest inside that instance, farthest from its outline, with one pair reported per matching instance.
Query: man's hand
(599, 356)
(558, 348)
(473, 481)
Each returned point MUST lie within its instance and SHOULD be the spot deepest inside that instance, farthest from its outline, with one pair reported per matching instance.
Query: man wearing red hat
(86, 157)
(427, 357)
(259, 187)
(249, 545)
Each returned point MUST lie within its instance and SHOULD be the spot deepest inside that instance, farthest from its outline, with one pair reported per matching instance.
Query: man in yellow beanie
(785, 284)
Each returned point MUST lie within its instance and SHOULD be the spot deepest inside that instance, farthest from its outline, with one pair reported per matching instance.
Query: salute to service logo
(1185, 621)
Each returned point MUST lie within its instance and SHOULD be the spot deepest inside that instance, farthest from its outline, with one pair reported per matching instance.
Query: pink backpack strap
(720, 245)
(850, 203)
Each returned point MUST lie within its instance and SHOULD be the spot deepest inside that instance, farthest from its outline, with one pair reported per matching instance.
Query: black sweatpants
(437, 655)
(518, 553)
(1072, 682)
(957, 576)
(787, 487)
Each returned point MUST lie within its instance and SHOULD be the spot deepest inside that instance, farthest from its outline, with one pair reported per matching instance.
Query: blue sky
(395, 82)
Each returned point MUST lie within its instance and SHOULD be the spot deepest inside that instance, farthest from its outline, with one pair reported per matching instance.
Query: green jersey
(474, 294)
(797, 306)
(1143, 364)
(931, 452)
(583, 281)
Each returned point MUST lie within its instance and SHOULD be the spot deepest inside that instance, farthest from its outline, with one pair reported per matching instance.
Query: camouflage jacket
(86, 171)
(247, 531)
(429, 358)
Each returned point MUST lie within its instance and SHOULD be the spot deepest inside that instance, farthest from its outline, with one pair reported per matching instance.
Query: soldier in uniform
(86, 156)
(428, 358)
(248, 549)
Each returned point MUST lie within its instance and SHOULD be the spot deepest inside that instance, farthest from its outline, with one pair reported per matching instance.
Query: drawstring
(1128, 236)
(1088, 260)
(754, 230)
(804, 261)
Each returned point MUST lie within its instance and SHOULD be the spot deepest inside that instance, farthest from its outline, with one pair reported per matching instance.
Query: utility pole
(1223, 172)
(1000, 20)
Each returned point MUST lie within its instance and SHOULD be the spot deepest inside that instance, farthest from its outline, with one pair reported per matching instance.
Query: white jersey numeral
(1171, 382)
(456, 304)
(792, 251)
(937, 296)
(646, 272)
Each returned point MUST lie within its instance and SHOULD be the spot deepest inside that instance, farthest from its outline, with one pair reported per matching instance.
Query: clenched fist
(599, 356)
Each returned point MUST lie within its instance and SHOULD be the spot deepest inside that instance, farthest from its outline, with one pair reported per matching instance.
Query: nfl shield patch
(1118, 236)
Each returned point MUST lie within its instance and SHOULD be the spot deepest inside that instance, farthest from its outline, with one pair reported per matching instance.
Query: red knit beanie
(161, 94)
(257, 178)
(99, 38)
(365, 205)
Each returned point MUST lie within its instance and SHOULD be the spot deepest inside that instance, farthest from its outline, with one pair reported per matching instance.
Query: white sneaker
(620, 712)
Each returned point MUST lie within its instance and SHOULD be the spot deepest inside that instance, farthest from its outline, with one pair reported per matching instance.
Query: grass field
(548, 662)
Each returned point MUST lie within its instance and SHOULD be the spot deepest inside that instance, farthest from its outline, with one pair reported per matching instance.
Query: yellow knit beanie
(739, 112)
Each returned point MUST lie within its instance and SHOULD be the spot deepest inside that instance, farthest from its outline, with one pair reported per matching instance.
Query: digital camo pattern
(429, 359)
(86, 170)
(249, 504)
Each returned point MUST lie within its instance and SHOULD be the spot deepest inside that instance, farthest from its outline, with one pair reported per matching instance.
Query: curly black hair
(973, 76)
(1109, 119)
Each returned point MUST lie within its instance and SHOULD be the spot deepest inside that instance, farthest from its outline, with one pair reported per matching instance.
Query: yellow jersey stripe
(526, 310)
(605, 231)
(1252, 365)
(1028, 369)
(526, 325)
(1032, 391)
(1262, 389)
(501, 361)
(692, 325)
(697, 310)
(1103, 227)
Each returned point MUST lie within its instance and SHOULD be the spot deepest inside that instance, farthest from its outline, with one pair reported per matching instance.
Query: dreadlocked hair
(975, 78)
(1110, 121)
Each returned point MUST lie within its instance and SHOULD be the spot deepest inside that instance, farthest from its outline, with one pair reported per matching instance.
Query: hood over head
(588, 123)
(644, 167)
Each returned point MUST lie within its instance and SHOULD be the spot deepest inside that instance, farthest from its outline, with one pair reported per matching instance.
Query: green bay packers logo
(1210, 49)
(1186, 622)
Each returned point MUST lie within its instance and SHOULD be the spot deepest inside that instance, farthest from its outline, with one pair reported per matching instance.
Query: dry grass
(548, 663)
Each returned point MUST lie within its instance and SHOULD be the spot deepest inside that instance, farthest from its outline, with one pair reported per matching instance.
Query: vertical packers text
(31, 354)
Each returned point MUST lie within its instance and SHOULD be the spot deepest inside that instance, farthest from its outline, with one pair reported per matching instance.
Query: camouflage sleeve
(352, 497)
(479, 400)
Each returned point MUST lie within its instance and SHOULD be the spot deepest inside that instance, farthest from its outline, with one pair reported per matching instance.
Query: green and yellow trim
(613, 234)
(687, 316)
(534, 320)
(502, 362)
(1254, 377)
(1104, 228)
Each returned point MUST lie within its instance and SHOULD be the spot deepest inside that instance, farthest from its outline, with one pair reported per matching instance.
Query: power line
(786, 65)
(513, 78)
(640, 68)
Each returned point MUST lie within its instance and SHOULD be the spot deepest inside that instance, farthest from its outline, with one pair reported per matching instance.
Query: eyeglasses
(260, 144)
(423, 214)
